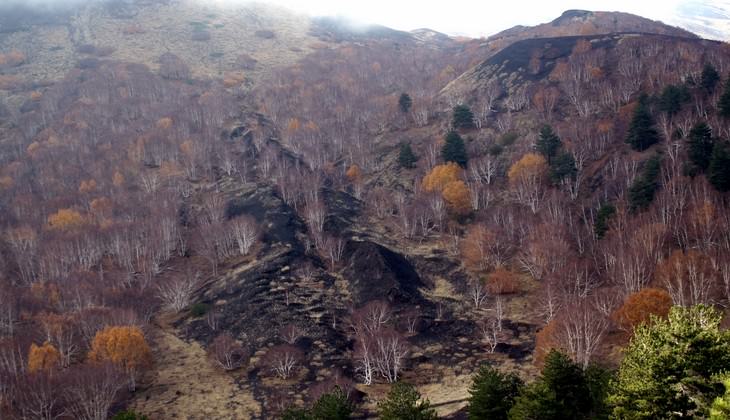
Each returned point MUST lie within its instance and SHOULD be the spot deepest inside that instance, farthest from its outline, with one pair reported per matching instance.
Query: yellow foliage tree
(66, 219)
(440, 176)
(124, 346)
(42, 358)
(456, 195)
(530, 166)
(6, 182)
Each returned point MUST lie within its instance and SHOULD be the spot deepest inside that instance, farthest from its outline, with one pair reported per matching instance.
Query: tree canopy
(669, 367)
(642, 132)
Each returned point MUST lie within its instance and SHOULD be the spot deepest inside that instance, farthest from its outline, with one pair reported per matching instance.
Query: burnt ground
(255, 297)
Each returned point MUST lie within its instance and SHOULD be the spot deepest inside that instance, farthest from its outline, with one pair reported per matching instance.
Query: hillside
(263, 207)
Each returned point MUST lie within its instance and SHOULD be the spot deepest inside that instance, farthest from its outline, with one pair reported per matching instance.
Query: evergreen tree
(709, 78)
(718, 172)
(723, 104)
(604, 215)
(563, 166)
(405, 102)
(129, 415)
(332, 406)
(670, 366)
(492, 394)
(454, 149)
(404, 402)
(642, 133)
(642, 191)
(561, 392)
(672, 99)
(406, 158)
(700, 146)
(548, 144)
(720, 409)
(462, 117)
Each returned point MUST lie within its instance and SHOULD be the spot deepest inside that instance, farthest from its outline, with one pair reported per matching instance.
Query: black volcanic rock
(376, 272)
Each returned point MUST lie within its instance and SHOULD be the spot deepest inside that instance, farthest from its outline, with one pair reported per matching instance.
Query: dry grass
(185, 385)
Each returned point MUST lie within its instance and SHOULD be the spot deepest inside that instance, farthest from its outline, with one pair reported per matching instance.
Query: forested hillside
(213, 212)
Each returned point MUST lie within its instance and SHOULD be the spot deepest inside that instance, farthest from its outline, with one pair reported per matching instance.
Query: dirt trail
(184, 384)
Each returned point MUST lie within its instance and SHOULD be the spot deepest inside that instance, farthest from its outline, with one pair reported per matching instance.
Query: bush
(129, 415)
(199, 309)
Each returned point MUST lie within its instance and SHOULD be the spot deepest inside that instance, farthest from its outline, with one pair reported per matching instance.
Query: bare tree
(390, 351)
(245, 231)
(226, 353)
(92, 389)
(177, 292)
(283, 360)
(291, 333)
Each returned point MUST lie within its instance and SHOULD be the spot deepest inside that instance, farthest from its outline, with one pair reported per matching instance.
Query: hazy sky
(470, 17)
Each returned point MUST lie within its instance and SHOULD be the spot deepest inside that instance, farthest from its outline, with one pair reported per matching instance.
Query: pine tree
(454, 149)
(462, 117)
(405, 102)
(406, 158)
(404, 402)
(669, 368)
(548, 144)
(561, 393)
(332, 406)
(718, 172)
(604, 215)
(672, 99)
(724, 103)
(709, 78)
(642, 133)
(492, 394)
(563, 166)
(700, 146)
(642, 191)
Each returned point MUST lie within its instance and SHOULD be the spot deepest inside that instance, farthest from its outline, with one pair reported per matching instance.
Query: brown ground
(184, 384)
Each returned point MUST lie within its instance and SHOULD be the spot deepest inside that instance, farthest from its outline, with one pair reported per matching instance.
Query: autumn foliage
(640, 306)
(124, 346)
(43, 358)
(503, 282)
(446, 179)
(66, 219)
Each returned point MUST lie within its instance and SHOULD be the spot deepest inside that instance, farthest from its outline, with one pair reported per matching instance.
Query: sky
(470, 17)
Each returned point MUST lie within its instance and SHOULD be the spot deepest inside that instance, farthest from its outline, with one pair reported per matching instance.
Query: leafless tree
(92, 389)
(283, 360)
(291, 333)
(245, 232)
(177, 292)
(226, 353)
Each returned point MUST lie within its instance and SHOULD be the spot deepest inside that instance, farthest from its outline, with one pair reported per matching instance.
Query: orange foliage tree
(66, 219)
(640, 306)
(43, 358)
(456, 195)
(124, 346)
(503, 282)
(440, 176)
(446, 179)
